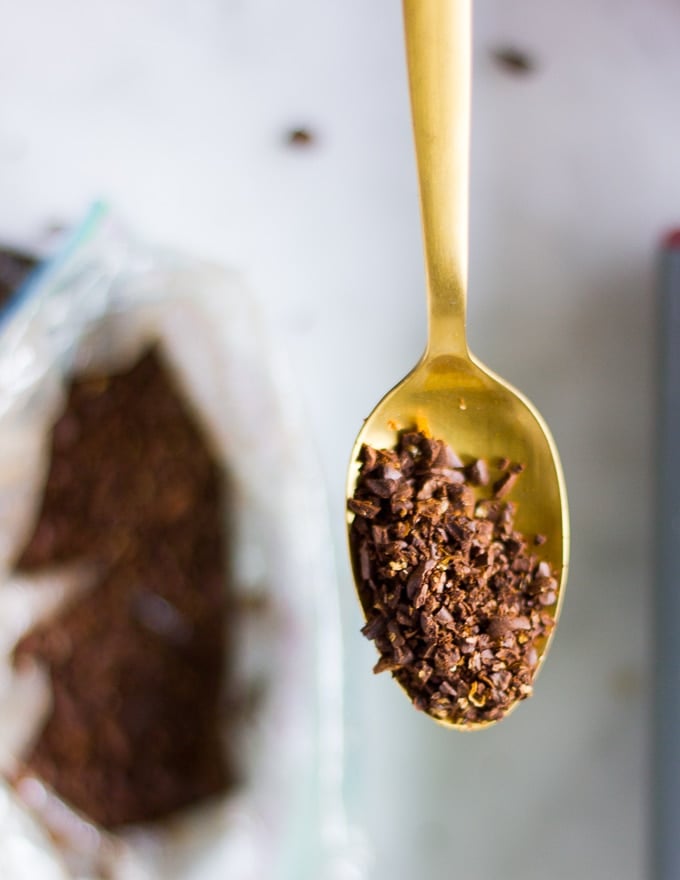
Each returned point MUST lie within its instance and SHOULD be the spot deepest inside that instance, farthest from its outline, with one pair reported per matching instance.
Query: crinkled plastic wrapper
(98, 305)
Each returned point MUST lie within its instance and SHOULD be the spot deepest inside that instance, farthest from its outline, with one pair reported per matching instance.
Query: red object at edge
(671, 241)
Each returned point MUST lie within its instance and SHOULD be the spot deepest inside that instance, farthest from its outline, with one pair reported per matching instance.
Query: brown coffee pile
(14, 267)
(454, 597)
(137, 663)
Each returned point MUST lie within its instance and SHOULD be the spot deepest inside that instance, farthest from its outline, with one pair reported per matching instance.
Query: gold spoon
(449, 393)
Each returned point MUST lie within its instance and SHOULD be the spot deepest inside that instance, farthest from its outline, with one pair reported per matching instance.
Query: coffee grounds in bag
(137, 664)
(456, 601)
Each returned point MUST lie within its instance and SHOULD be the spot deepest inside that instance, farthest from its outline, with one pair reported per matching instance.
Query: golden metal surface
(450, 393)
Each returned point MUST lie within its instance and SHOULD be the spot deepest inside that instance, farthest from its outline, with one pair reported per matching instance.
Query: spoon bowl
(459, 401)
(450, 395)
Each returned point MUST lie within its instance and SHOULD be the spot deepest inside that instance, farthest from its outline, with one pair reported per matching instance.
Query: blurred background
(275, 137)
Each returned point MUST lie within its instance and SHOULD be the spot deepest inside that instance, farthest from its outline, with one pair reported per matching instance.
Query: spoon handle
(438, 50)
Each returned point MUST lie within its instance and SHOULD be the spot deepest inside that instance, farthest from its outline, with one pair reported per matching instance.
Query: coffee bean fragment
(364, 507)
(504, 485)
(477, 473)
(455, 600)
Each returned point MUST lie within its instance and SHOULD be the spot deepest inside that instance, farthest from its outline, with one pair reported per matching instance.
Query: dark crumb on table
(300, 137)
(514, 60)
(455, 600)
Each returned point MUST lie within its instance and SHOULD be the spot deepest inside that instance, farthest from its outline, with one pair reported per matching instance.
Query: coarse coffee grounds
(137, 664)
(455, 599)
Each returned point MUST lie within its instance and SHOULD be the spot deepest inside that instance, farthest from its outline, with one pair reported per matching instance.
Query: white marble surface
(177, 111)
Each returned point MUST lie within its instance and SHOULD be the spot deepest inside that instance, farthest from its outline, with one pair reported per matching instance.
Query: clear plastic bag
(99, 303)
